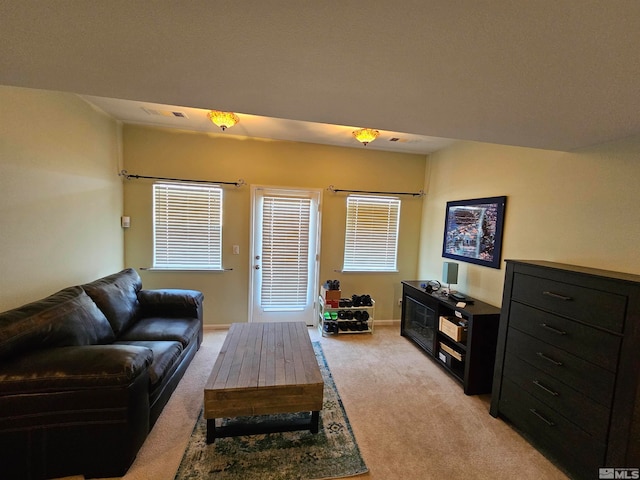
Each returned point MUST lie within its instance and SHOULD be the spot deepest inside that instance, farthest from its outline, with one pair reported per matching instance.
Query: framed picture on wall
(473, 230)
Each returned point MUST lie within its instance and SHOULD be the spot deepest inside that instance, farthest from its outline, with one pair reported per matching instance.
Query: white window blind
(285, 252)
(187, 226)
(371, 240)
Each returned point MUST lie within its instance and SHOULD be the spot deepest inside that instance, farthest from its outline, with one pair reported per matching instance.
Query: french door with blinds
(284, 254)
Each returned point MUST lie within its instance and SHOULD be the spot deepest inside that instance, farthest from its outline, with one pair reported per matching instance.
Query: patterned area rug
(331, 453)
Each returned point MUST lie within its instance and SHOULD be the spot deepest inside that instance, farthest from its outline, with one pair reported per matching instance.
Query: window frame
(360, 210)
(204, 206)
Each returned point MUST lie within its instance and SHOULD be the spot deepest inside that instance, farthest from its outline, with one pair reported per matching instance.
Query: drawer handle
(542, 417)
(548, 359)
(553, 329)
(546, 389)
(557, 295)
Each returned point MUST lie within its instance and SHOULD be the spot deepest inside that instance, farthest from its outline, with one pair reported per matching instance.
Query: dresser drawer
(596, 307)
(590, 416)
(591, 344)
(593, 381)
(551, 432)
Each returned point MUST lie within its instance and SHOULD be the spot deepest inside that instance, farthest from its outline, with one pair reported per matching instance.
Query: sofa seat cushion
(117, 296)
(74, 368)
(165, 355)
(66, 318)
(183, 330)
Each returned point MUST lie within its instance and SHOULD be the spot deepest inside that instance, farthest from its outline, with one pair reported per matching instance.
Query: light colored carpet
(330, 453)
(411, 420)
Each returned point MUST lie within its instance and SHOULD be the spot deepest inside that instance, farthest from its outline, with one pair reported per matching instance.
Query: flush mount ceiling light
(223, 119)
(366, 135)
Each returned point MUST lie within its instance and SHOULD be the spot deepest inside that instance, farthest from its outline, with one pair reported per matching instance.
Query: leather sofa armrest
(73, 368)
(171, 302)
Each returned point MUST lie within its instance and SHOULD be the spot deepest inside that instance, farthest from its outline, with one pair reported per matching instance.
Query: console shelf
(469, 357)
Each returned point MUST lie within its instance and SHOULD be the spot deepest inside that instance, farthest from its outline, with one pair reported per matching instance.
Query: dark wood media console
(469, 359)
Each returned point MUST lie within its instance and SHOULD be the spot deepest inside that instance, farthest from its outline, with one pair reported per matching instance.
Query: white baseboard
(383, 323)
(208, 327)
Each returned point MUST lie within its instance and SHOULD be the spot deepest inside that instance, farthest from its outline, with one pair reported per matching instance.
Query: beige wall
(61, 199)
(60, 195)
(579, 208)
(160, 152)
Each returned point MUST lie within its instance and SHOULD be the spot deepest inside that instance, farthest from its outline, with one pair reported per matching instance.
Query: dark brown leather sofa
(85, 373)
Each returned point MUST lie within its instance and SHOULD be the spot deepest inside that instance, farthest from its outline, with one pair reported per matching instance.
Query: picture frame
(473, 230)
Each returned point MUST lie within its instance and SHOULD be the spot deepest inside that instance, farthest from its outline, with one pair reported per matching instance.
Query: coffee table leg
(315, 421)
(211, 430)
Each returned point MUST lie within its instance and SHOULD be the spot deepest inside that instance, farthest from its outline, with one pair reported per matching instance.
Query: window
(187, 226)
(371, 240)
(285, 252)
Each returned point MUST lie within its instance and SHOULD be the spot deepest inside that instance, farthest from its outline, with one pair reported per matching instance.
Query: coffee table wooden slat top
(264, 369)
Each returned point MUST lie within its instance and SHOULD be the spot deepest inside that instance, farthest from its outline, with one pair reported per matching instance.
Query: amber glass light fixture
(366, 135)
(223, 119)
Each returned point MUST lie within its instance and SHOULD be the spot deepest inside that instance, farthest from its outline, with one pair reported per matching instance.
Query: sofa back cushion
(66, 318)
(117, 296)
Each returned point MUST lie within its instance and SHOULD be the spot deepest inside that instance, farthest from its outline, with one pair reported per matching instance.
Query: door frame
(315, 281)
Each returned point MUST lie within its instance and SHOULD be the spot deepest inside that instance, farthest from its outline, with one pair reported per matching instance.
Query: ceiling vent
(164, 113)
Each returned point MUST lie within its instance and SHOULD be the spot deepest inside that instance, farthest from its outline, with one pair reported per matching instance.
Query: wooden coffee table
(264, 368)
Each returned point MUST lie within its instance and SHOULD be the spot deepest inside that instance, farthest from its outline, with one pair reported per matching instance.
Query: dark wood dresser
(567, 369)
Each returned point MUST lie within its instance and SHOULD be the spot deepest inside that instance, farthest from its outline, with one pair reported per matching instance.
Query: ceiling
(553, 74)
(256, 126)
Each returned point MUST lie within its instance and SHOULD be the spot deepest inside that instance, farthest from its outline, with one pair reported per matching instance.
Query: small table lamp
(449, 275)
